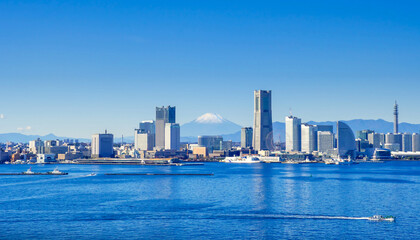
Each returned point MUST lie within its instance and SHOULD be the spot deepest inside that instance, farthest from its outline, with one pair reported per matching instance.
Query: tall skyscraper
(163, 115)
(407, 142)
(172, 136)
(346, 145)
(376, 139)
(143, 140)
(263, 125)
(325, 141)
(293, 133)
(246, 137)
(102, 145)
(147, 126)
(416, 142)
(307, 138)
(395, 117)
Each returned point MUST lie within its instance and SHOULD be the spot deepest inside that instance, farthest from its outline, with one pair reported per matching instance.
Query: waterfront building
(143, 140)
(293, 133)
(376, 139)
(226, 145)
(263, 125)
(325, 141)
(163, 115)
(172, 136)
(36, 146)
(308, 138)
(102, 145)
(346, 144)
(246, 137)
(45, 158)
(394, 147)
(416, 142)
(394, 139)
(147, 126)
(364, 134)
(210, 142)
(407, 142)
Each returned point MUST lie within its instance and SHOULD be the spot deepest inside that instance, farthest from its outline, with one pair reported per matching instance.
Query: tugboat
(56, 172)
(28, 172)
(380, 218)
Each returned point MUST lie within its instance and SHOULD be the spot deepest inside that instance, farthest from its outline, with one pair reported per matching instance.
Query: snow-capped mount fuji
(209, 124)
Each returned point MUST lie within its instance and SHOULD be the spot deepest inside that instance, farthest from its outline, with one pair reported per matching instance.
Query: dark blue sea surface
(241, 201)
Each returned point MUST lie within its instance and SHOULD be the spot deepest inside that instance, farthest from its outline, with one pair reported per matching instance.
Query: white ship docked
(247, 159)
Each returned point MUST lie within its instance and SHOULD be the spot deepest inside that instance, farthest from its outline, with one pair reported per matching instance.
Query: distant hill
(19, 137)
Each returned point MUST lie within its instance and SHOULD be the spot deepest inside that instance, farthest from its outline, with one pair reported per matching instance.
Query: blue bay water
(241, 201)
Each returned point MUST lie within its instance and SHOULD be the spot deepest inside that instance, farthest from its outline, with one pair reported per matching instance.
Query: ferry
(247, 159)
(380, 218)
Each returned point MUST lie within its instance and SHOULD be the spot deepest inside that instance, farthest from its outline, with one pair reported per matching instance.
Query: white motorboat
(379, 218)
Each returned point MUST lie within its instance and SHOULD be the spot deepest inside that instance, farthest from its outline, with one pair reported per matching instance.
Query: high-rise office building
(325, 141)
(308, 138)
(407, 142)
(210, 142)
(172, 136)
(293, 133)
(143, 140)
(416, 142)
(37, 146)
(246, 137)
(364, 134)
(147, 126)
(102, 145)
(346, 145)
(376, 139)
(263, 125)
(163, 115)
(393, 141)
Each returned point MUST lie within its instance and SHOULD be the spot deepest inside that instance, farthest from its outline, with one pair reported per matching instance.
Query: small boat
(92, 174)
(29, 172)
(380, 218)
(56, 172)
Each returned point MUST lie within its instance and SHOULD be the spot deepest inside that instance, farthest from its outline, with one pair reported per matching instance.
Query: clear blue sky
(74, 68)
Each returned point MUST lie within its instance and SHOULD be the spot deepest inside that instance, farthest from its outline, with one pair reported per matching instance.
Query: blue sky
(74, 68)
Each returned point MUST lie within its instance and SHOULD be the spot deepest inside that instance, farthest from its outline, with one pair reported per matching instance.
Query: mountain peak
(210, 118)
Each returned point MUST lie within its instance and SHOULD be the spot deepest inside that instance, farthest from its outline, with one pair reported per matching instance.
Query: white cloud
(27, 128)
(1, 116)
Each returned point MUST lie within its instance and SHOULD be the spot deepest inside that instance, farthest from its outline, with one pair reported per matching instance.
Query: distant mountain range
(19, 137)
(214, 124)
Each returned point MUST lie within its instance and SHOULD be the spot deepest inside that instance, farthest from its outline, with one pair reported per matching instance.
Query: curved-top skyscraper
(346, 145)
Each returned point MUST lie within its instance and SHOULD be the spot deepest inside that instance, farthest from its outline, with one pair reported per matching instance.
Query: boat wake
(281, 216)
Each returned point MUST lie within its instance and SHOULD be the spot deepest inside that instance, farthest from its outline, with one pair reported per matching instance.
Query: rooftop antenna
(290, 111)
(106, 131)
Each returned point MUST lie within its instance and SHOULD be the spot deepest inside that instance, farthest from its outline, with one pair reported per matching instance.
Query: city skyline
(78, 71)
